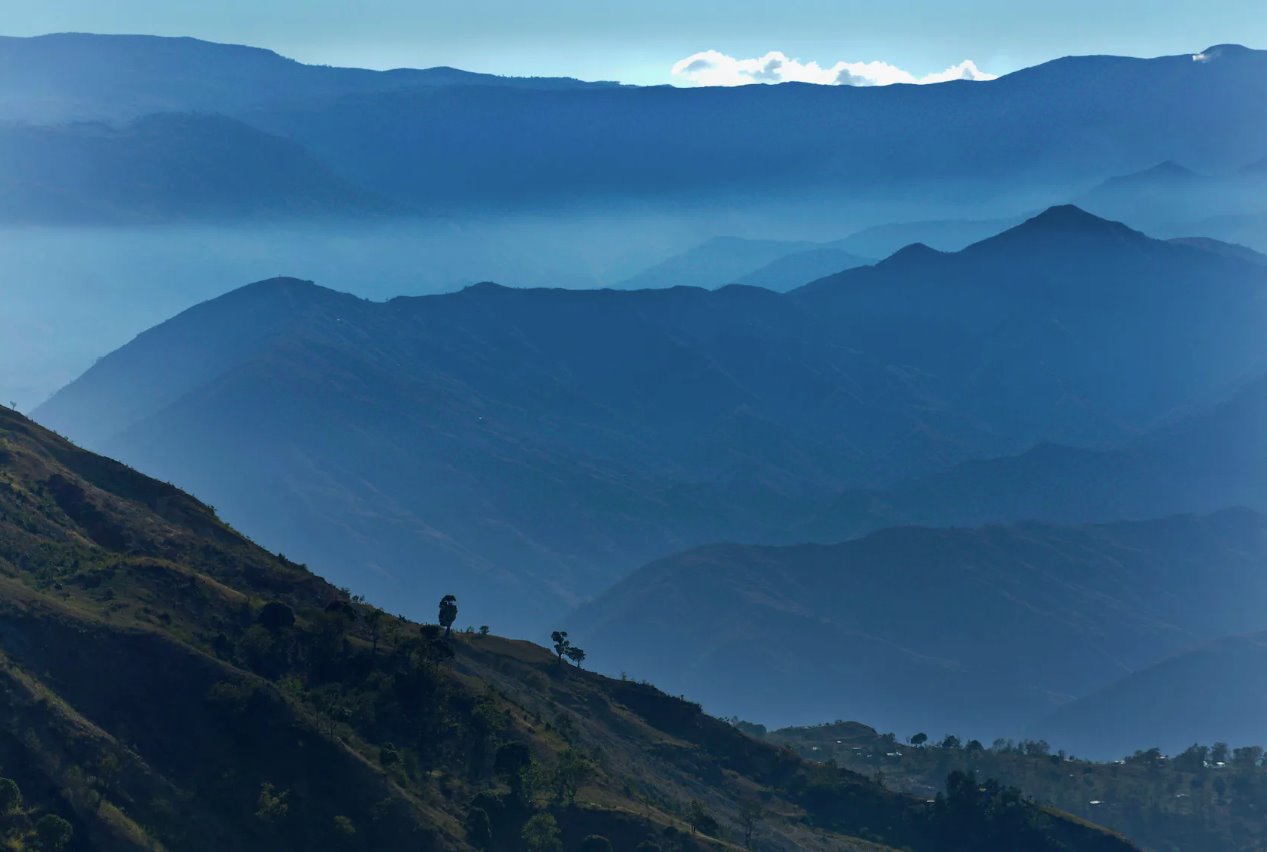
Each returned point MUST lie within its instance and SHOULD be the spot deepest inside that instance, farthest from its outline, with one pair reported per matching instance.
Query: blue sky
(640, 41)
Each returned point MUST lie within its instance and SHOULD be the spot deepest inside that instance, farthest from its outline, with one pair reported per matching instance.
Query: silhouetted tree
(919, 739)
(448, 614)
(576, 655)
(561, 643)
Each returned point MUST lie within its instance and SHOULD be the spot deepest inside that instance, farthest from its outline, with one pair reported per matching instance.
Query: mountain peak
(915, 253)
(1168, 168)
(1065, 222)
(1219, 51)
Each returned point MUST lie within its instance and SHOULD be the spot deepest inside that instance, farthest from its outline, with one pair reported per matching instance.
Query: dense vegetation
(165, 683)
(1203, 798)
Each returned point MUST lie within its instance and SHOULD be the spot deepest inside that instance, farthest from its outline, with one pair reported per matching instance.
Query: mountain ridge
(477, 427)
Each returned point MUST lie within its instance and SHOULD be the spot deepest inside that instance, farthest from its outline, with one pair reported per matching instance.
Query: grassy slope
(140, 698)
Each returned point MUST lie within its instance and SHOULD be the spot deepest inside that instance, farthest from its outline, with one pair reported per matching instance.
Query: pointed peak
(1066, 219)
(1169, 168)
(1063, 214)
(1064, 224)
(912, 254)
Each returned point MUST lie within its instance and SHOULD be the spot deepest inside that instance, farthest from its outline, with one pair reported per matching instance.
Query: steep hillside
(163, 169)
(166, 684)
(557, 440)
(975, 631)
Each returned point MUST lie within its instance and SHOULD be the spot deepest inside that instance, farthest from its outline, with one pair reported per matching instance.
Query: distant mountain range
(84, 77)
(969, 631)
(439, 140)
(1209, 693)
(164, 169)
(1169, 197)
(1200, 463)
(528, 448)
(774, 264)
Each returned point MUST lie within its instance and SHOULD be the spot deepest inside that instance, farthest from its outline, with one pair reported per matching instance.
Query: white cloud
(712, 68)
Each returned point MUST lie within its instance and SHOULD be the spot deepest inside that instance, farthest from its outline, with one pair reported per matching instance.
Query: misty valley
(432, 459)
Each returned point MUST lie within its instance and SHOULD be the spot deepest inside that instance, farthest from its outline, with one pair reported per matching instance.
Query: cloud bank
(713, 68)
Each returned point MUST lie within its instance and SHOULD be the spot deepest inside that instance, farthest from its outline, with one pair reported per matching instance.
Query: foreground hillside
(525, 449)
(166, 684)
(981, 632)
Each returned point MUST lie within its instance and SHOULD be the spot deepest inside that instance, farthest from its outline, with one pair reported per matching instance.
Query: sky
(707, 41)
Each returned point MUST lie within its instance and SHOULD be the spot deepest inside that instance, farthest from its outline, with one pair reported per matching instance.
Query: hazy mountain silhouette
(1168, 193)
(530, 447)
(947, 235)
(1248, 229)
(1211, 693)
(715, 263)
(774, 264)
(1199, 464)
(970, 631)
(167, 168)
(1067, 328)
(793, 270)
(524, 447)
